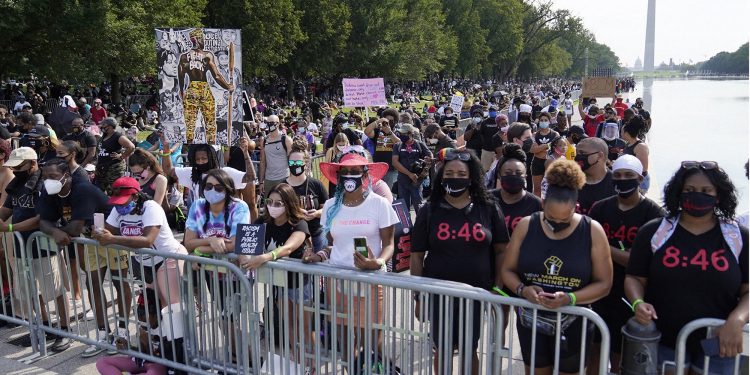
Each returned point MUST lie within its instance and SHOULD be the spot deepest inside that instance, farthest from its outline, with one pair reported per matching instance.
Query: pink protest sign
(364, 92)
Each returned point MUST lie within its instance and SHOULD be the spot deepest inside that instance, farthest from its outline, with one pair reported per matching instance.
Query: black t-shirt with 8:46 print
(459, 242)
(689, 277)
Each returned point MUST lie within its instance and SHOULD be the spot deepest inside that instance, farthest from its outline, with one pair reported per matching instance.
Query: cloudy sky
(685, 29)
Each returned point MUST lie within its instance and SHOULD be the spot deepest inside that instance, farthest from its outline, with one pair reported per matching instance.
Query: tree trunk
(115, 84)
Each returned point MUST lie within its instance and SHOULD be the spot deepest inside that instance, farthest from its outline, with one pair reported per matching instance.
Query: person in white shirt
(353, 213)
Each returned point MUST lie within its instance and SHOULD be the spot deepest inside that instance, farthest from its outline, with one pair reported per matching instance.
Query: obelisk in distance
(648, 56)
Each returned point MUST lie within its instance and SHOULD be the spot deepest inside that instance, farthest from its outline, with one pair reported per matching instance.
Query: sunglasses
(272, 203)
(705, 165)
(272, 123)
(453, 155)
(297, 163)
(215, 187)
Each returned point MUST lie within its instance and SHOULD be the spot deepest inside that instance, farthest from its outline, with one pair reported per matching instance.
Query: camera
(418, 167)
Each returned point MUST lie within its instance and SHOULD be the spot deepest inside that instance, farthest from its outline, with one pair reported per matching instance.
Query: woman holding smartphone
(463, 230)
(555, 258)
(356, 212)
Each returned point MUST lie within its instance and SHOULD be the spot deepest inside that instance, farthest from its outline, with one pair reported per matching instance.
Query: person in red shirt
(619, 106)
(98, 113)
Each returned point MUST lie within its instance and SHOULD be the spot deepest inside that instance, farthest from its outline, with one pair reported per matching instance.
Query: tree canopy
(728, 62)
(399, 39)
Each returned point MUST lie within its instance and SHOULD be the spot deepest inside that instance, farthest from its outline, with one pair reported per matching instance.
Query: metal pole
(586, 66)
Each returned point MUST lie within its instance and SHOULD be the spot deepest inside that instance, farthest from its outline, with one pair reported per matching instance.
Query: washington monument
(648, 56)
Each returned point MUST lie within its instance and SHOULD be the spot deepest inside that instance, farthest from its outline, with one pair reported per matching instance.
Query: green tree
(728, 63)
(398, 39)
(549, 61)
(270, 30)
(472, 49)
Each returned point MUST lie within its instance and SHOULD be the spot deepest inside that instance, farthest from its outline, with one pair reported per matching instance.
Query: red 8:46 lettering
(672, 258)
(476, 233)
(622, 233)
(512, 225)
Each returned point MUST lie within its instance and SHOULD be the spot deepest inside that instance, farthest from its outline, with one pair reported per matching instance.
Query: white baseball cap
(628, 162)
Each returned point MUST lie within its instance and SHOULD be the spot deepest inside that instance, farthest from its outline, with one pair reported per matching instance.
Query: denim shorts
(307, 294)
(716, 365)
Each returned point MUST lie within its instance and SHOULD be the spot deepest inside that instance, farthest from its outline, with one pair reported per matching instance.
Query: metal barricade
(710, 324)
(327, 319)
(163, 327)
(315, 166)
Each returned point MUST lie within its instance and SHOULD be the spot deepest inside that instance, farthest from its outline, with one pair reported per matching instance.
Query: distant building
(638, 66)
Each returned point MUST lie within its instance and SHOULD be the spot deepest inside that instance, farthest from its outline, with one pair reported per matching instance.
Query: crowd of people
(558, 209)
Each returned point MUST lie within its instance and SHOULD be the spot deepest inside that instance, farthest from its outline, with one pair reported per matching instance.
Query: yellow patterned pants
(198, 97)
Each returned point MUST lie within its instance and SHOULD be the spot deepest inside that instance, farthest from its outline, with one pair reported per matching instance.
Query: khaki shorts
(97, 258)
(46, 275)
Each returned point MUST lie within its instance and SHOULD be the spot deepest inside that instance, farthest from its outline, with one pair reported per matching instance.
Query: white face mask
(341, 148)
(275, 211)
(52, 186)
(477, 120)
(433, 141)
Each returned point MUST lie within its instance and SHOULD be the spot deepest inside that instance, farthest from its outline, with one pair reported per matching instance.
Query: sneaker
(122, 334)
(93, 350)
(89, 314)
(60, 344)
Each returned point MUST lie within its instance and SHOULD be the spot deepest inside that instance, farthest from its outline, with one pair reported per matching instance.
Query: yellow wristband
(10, 227)
(636, 302)
(275, 254)
(197, 252)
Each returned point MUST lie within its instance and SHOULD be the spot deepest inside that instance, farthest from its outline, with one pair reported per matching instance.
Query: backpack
(283, 142)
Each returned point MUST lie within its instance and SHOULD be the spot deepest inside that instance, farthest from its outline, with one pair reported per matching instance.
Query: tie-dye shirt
(239, 213)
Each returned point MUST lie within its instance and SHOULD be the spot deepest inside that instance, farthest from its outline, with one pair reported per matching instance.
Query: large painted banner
(363, 92)
(200, 71)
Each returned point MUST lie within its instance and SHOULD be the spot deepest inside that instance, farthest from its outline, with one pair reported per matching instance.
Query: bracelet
(197, 252)
(323, 255)
(519, 290)
(572, 297)
(166, 153)
(10, 227)
(499, 291)
(275, 254)
(636, 302)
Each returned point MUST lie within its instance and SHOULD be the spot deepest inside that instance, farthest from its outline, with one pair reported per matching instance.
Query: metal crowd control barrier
(328, 319)
(163, 327)
(740, 363)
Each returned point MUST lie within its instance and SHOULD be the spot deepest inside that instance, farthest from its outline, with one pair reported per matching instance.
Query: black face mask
(202, 168)
(583, 161)
(512, 184)
(22, 175)
(626, 188)
(555, 226)
(456, 186)
(697, 204)
(296, 170)
(527, 145)
(575, 139)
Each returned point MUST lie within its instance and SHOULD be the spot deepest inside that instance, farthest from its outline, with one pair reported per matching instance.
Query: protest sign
(250, 239)
(457, 102)
(598, 87)
(200, 72)
(364, 92)
(402, 238)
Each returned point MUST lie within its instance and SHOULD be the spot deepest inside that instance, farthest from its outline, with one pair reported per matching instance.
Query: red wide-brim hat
(376, 171)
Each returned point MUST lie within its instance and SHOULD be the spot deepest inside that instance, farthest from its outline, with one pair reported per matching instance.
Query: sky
(685, 29)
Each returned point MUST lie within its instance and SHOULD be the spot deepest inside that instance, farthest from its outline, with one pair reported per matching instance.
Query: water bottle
(640, 344)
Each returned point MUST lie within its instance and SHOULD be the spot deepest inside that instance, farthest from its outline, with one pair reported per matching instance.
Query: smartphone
(360, 246)
(98, 221)
(546, 295)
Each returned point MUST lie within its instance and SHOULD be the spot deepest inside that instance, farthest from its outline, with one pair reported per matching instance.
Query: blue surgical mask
(125, 209)
(544, 125)
(213, 197)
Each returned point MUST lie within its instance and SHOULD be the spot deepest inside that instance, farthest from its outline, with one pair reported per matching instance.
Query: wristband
(499, 291)
(572, 297)
(275, 254)
(10, 227)
(519, 290)
(636, 302)
(322, 254)
(166, 153)
(197, 252)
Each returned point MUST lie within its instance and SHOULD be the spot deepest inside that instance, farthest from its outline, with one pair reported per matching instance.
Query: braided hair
(213, 162)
